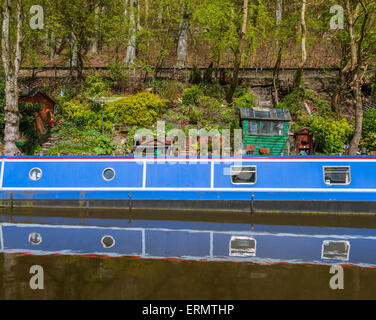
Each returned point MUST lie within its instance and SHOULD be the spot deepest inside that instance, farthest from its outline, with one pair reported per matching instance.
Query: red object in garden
(263, 150)
(250, 147)
(48, 105)
(304, 142)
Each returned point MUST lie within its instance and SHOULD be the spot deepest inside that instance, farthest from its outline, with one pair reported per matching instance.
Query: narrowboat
(188, 240)
(255, 184)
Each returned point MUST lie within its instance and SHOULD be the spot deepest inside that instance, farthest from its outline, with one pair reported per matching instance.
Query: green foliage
(245, 101)
(369, 130)
(369, 142)
(194, 115)
(330, 135)
(191, 95)
(90, 142)
(97, 87)
(142, 109)
(195, 75)
(118, 74)
(214, 90)
(28, 128)
(81, 113)
(171, 90)
(294, 102)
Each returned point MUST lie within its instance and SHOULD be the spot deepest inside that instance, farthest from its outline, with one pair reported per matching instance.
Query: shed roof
(29, 93)
(265, 114)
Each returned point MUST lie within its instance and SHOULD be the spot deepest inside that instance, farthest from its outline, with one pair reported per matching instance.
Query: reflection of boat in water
(251, 184)
(211, 241)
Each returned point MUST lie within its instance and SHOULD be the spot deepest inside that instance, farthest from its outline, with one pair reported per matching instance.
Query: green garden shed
(265, 130)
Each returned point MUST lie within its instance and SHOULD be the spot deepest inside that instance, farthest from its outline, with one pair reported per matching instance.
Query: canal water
(85, 274)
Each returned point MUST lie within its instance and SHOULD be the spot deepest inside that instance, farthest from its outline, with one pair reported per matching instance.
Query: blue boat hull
(209, 241)
(282, 184)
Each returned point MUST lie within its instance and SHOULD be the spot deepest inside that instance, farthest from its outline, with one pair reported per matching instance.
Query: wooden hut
(46, 114)
(265, 130)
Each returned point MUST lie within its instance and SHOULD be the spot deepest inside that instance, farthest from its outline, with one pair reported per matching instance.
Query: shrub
(294, 102)
(191, 95)
(28, 128)
(142, 109)
(171, 90)
(195, 76)
(90, 142)
(245, 101)
(369, 130)
(214, 90)
(194, 116)
(329, 134)
(96, 87)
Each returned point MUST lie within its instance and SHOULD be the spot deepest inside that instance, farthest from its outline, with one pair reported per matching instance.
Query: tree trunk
(277, 65)
(94, 43)
(355, 82)
(276, 70)
(299, 74)
(131, 49)
(73, 44)
(238, 54)
(52, 46)
(11, 70)
(183, 39)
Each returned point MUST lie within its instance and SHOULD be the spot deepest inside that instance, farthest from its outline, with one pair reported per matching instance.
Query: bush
(369, 130)
(194, 116)
(245, 101)
(142, 109)
(90, 142)
(195, 76)
(171, 90)
(294, 102)
(96, 87)
(191, 95)
(28, 128)
(329, 134)
(214, 90)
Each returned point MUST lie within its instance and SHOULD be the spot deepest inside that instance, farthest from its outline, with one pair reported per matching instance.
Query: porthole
(335, 250)
(35, 238)
(108, 242)
(242, 247)
(35, 174)
(108, 174)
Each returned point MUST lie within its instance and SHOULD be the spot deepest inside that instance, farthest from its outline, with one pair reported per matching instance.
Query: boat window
(108, 242)
(337, 175)
(243, 175)
(108, 174)
(35, 174)
(242, 247)
(35, 238)
(336, 250)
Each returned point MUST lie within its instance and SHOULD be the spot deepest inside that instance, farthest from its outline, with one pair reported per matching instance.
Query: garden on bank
(197, 104)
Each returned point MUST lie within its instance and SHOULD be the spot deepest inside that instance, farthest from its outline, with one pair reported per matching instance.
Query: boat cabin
(265, 131)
